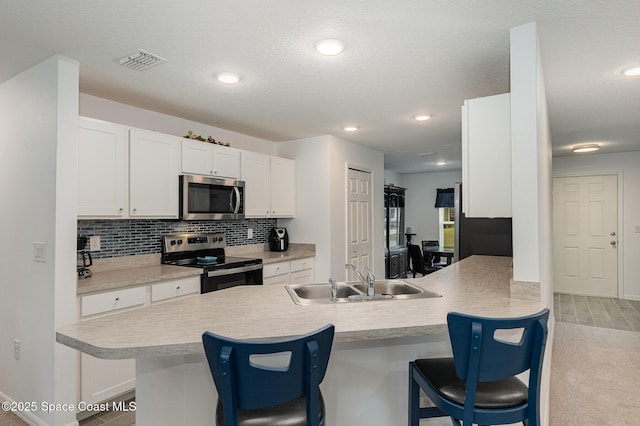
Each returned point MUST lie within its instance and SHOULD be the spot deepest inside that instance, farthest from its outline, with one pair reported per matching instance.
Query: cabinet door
(255, 174)
(226, 162)
(102, 168)
(154, 167)
(197, 157)
(105, 379)
(283, 187)
(486, 156)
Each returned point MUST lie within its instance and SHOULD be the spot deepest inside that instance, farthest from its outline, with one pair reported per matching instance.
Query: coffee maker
(84, 259)
(278, 239)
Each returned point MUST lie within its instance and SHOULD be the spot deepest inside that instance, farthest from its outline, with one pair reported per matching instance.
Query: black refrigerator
(480, 235)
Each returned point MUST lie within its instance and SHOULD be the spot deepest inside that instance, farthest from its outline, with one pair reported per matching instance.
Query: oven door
(203, 198)
(219, 279)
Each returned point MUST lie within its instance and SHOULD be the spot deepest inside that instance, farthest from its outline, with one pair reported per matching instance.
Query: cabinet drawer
(302, 277)
(273, 269)
(113, 300)
(301, 264)
(175, 288)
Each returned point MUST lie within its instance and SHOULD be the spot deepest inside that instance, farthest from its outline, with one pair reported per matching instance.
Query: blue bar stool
(478, 385)
(269, 383)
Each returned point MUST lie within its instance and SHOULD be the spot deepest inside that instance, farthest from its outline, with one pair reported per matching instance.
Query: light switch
(40, 252)
(249, 233)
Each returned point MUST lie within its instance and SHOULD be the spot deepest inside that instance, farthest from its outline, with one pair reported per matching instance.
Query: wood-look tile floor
(606, 312)
(111, 418)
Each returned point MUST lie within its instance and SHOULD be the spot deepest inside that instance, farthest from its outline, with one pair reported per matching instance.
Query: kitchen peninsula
(366, 379)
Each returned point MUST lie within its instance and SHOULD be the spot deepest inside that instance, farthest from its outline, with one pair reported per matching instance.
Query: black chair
(255, 391)
(432, 245)
(478, 385)
(417, 261)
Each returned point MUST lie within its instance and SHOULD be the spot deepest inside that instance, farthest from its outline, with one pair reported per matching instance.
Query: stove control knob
(179, 241)
(215, 239)
(220, 239)
(173, 242)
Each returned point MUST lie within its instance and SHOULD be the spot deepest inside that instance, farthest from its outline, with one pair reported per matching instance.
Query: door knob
(613, 234)
(355, 250)
(613, 243)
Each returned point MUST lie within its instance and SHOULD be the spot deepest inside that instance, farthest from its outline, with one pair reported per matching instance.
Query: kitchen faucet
(367, 282)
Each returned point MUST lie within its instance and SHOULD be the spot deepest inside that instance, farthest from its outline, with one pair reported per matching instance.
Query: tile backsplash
(140, 236)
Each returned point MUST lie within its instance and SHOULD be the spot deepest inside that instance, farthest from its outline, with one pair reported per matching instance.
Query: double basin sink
(307, 294)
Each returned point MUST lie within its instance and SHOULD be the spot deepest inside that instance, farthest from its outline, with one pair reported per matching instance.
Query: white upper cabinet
(486, 156)
(102, 168)
(154, 167)
(255, 174)
(203, 158)
(283, 187)
(269, 185)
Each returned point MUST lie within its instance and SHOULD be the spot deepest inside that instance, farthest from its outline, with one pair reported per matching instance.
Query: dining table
(433, 254)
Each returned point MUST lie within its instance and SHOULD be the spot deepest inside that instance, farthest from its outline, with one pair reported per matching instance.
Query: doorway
(359, 226)
(585, 235)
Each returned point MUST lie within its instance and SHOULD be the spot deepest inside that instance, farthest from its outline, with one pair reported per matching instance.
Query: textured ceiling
(401, 58)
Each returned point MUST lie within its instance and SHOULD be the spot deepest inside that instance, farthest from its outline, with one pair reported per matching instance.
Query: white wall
(627, 166)
(392, 178)
(321, 165)
(531, 180)
(312, 223)
(103, 109)
(38, 163)
(420, 213)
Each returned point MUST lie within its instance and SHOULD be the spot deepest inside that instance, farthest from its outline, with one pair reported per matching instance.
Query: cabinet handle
(134, 211)
(117, 299)
(273, 211)
(120, 210)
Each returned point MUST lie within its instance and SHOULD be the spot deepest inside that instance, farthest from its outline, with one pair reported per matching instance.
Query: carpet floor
(595, 376)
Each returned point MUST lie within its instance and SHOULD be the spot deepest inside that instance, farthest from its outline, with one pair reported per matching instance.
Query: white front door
(585, 240)
(359, 245)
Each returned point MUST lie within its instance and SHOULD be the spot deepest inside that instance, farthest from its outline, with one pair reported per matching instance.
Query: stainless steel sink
(353, 291)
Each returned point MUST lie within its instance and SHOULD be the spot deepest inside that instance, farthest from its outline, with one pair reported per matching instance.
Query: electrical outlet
(94, 243)
(249, 233)
(16, 348)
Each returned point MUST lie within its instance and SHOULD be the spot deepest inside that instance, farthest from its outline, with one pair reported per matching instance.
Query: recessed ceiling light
(586, 148)
(350, 128)
(329, 47)
(632, 71)
(441, 163)
(422, 117)
(228, 77)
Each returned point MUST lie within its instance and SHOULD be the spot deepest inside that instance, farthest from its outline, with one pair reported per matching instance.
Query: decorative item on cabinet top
(210, 139)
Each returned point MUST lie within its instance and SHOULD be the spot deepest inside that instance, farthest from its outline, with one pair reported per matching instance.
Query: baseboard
(28, 416)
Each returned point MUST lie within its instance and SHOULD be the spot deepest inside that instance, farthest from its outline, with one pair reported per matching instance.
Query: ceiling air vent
(141, 60)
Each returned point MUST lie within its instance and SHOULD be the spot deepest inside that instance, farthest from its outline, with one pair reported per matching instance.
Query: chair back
(480, 355)
(245, 379)
(417, 261)
(430, 243)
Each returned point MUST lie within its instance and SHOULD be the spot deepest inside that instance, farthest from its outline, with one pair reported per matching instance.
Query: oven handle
(222, 272)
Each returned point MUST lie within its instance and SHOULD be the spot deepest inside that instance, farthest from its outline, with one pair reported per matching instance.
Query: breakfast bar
(374, 340)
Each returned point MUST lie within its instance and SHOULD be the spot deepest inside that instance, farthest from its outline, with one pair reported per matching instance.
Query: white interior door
(585, 240)
(359, 245)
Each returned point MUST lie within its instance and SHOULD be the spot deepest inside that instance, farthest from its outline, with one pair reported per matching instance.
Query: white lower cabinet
(102, 379)
(167, 290)
(298, 271)
(105, 379)
(276, 273)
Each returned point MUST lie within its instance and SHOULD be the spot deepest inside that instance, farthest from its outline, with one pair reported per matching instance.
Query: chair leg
(414, 399)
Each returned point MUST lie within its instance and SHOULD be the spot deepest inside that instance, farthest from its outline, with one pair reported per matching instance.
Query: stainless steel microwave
(205, 198)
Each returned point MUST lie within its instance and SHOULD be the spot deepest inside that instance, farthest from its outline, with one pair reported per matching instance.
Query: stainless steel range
(207, 251)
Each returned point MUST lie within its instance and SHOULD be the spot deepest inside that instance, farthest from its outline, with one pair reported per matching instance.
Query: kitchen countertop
(477, 285)
(134, 276)
(131, 271)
